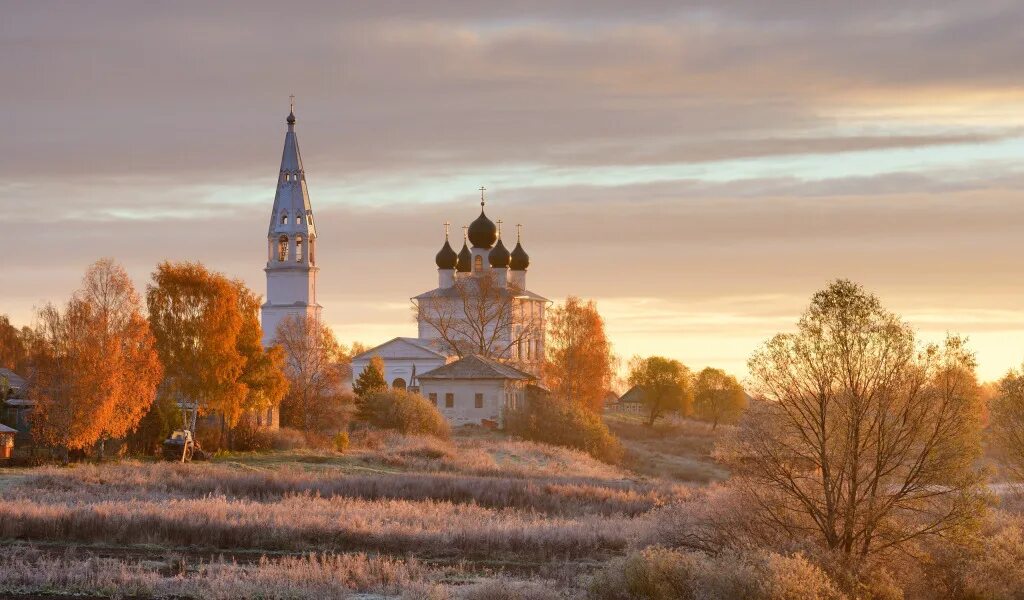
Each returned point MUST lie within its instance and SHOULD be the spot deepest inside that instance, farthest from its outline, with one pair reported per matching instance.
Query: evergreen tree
(370, 380)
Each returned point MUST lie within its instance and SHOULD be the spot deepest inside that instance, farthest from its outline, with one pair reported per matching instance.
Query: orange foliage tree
(580, 362)
(12, 345)
(208, 336)
(95, 366)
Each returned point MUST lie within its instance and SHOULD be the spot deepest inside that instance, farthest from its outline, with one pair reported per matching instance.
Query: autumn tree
(12, 346)
(312, 358)
(665, 384)
(1007, 422)
(95, 365)
(479, 315)
(864, 441)
(371, 379)
(263, 372)
(207, 333)
(580, 363)
(718, 397)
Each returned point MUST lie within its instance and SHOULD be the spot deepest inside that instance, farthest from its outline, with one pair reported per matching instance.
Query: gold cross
(446, 224)
(519, 232)
(291, 104)
(465, 232)
(499, 227)
(482, 190)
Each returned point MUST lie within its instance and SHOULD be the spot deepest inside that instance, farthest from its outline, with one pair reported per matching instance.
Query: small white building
(404, 359)
(476, 390)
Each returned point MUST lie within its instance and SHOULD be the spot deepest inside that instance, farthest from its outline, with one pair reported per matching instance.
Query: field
(477, 517)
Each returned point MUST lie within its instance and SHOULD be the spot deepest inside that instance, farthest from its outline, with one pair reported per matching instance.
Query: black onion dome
(465, 262)
(520, 259)
(483, 232)
(446, 258)
(499, 256)
(291, 118)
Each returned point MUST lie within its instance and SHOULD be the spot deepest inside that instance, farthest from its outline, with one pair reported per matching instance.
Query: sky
(698, 169)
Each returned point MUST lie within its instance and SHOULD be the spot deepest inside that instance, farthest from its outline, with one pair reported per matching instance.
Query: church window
(284, 218)
(298, 219)
(478, 263)
(529, 349)
(309, 218)
(478, 400)
(540, 349)
(433, 398)
(312, 251)
(282, 248)
(298, 248)
(449, 400)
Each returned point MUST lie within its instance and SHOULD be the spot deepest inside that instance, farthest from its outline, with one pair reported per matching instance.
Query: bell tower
(291, 243)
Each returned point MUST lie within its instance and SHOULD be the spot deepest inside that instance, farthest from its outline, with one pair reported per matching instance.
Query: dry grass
(674, 449)
(550, 495)
(24, 571)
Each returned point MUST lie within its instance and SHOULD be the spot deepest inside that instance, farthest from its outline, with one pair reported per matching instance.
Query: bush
(403, 411)
(551, 421)
(341, 442)
(663, 574)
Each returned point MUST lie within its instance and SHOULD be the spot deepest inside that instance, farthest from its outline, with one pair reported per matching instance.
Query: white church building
(480, 308)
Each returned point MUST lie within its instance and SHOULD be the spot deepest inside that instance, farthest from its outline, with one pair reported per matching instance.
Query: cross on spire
(499, 227)
(519, 232)
(446, 225)
(482, 190)
(291, 103)
(465, 232)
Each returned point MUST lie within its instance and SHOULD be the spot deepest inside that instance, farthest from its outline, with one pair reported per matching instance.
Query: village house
(476, 390)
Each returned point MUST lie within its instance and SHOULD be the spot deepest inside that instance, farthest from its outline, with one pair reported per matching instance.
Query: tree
(665, 383)
(864, 441)
(263, 372)
(12, 346)
(311, 361)
(1007, 422)
(718, 397)
(196, 319)
(96, 368)
(371, 379)
(580, 363)
(479, 315)
(404, 411)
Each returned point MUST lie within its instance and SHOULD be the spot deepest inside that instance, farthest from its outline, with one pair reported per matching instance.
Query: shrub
(563, 423)
(664, 574)
(341, 442)
(404, 411)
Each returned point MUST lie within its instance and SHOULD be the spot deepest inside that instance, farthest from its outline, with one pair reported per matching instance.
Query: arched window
(309, 217)
(298, 248)
(298, 219)
(312, 251)
(284, 218)
(478, 263)
(282, 248)
(398, 384)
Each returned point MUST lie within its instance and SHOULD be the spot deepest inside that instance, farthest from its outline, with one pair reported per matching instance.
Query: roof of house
(635, 394)
(402, 348)
(6, 429)
(13, 379)
(475, 366)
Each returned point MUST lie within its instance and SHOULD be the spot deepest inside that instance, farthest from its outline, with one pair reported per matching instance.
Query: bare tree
(1008, 422)
(479, 315)
(311, 364)
(864, 442)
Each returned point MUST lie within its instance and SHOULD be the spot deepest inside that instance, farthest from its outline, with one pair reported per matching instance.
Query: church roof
(475, 366)
(291, 202)
(402, 348)
(453, 292)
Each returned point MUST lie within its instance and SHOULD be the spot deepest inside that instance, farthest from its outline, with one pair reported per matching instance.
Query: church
(480, 332)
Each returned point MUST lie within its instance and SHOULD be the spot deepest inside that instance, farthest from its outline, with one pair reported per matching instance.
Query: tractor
(182, 444)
